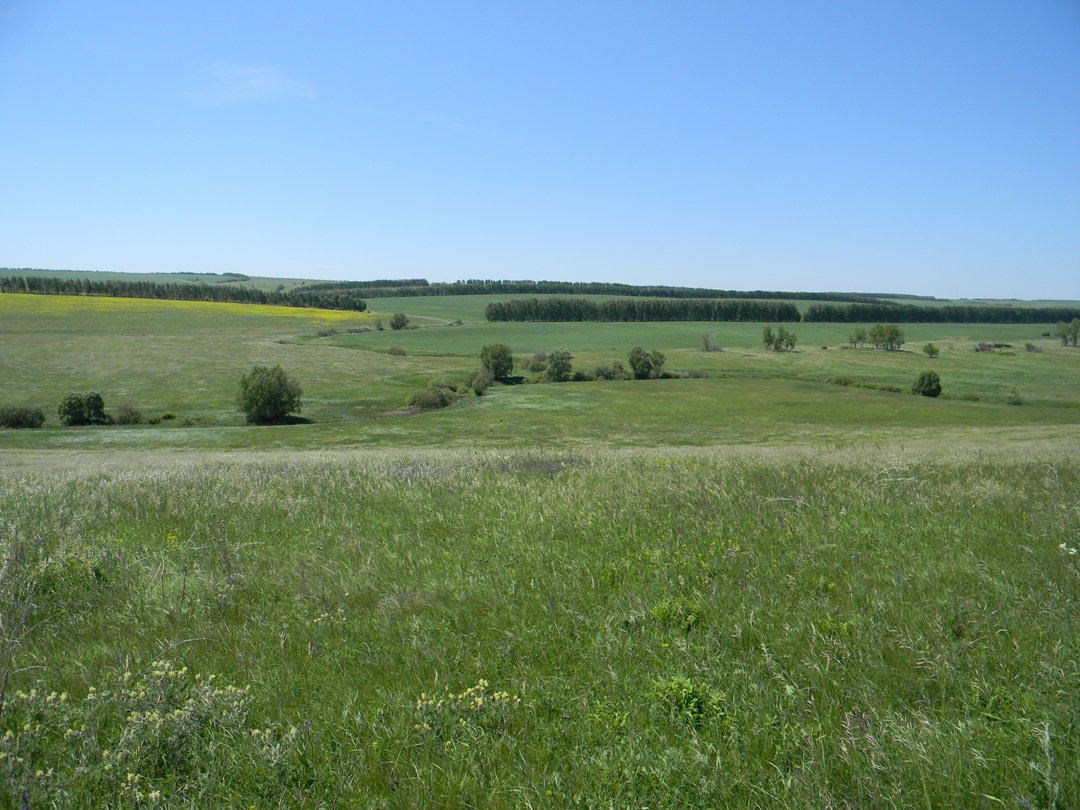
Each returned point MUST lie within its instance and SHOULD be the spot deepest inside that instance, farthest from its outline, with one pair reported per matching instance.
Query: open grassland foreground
(660, 628)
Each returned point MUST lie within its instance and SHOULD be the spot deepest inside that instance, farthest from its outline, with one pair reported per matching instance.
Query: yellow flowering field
(21, 304)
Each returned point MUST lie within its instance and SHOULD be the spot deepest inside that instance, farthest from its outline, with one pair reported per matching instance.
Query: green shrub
(679, 613)
(613, 372)
(481, 381)
(686, 700)
(930, 350)
(537, 363)
(82, 409)
(928, 384)
(430, 398)
(21, 416)
(267, 395)
(646, 365)
(399, 321)
(127, 415)
(582, 376)
(396, 352)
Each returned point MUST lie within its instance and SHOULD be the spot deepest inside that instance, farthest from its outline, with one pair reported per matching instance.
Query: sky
(918, 146)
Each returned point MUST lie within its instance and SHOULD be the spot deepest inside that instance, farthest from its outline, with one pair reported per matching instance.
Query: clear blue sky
(919, 146)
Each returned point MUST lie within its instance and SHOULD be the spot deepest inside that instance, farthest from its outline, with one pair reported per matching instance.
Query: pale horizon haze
(915, 147)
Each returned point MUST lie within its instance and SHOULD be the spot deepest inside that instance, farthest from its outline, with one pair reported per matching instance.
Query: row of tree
(951, 313)
(297, 297)
(657, 303)
(640, 309)
(557, 366)
(886, 336)
(378, 283)
(421, 287)
(715, 309)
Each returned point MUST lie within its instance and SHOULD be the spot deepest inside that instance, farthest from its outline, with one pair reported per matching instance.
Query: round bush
(21, 416)
(928, 384)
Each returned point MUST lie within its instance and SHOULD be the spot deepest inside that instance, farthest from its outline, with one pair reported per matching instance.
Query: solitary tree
(498, 359)
(931, 350)
(559, 367)
(267, 395)
(399, 321)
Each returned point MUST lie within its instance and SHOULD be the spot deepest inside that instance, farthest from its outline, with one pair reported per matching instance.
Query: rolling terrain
(747, 586)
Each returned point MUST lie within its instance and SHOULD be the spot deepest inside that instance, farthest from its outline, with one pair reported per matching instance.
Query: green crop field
(745, 586)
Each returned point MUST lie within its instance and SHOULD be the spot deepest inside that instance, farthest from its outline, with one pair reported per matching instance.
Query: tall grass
(516, 629)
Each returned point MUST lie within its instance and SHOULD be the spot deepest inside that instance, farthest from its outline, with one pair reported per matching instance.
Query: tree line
(421, 287)
(647, 303)
(366, 285)
(698, 309)
(297, 297)
(951, 313)
(640, 309)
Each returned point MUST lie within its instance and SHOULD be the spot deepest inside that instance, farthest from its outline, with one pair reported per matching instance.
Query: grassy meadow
(185, 358)
(749, 628)
(752, 588)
